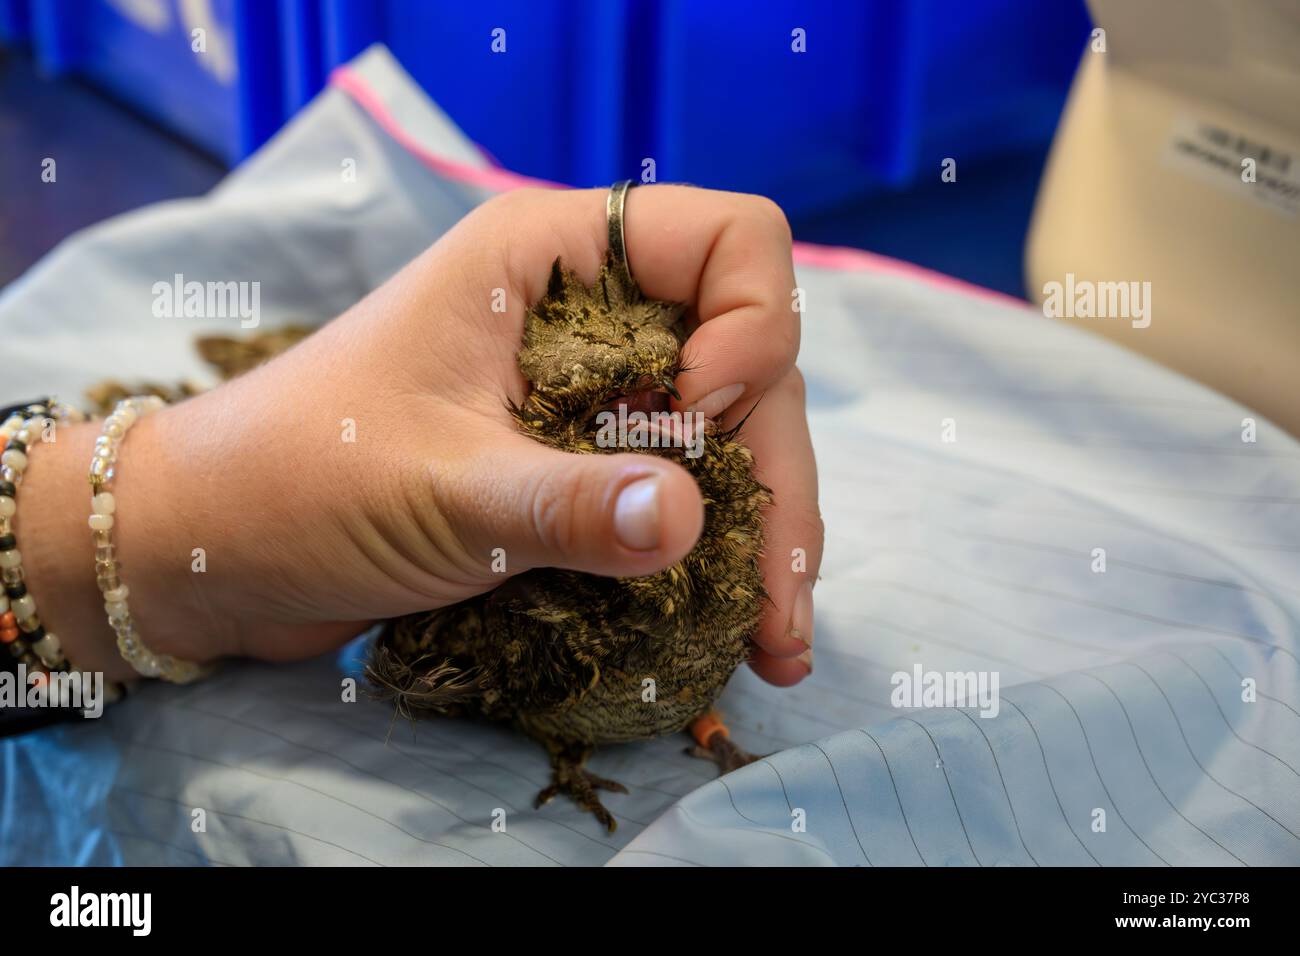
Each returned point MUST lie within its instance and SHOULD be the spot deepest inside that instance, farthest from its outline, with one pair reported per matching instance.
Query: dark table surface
(107, 161)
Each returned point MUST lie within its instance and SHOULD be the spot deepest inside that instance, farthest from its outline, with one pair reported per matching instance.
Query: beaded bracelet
(20, 626)
(102, 508)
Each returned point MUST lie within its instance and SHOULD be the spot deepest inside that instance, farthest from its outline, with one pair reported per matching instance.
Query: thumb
(619, 515)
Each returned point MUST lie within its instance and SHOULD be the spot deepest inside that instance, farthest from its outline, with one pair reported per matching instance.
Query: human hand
(308, 536)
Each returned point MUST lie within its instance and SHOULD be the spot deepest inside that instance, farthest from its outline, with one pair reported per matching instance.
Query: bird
(577, 660)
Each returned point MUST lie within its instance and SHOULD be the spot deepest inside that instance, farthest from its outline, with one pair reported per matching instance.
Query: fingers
(615, 515)
(781, 671)
(777, 434)
(729, 255)
(726, 254)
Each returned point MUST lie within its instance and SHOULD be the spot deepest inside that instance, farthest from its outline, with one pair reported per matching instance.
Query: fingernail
(636, 515)
(715, 403)
(806, 659)
(801, 618)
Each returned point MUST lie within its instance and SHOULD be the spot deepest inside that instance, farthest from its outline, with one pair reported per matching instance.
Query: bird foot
(571, 778)
(717, 745)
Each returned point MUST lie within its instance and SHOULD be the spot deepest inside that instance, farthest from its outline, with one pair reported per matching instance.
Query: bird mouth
(653, 397)
(656, 425)
(647, 400)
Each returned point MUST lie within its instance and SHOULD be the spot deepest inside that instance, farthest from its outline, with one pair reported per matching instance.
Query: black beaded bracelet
(20, 626)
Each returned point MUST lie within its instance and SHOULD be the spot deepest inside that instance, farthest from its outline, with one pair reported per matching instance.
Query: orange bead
(7, 620)
(8, 635)
(4, 441)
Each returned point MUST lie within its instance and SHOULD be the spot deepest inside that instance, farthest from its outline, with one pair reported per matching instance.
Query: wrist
(148, 535)
(55, 540)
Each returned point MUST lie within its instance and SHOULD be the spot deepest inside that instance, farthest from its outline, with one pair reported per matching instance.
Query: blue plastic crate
(881, 94)
(226, 100)
(715, 94)
(15, 22)
(553, 105)
(991, 77)
(300, 48)
(587, 90)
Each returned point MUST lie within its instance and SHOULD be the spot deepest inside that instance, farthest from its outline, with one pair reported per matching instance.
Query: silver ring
(614, 216)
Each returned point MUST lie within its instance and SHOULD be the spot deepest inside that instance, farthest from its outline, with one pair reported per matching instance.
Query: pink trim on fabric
(487, 154)
(492, 177)
(499, 179)
(845, 259)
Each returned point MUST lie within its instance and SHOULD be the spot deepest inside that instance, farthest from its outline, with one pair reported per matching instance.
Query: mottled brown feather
(566, 656)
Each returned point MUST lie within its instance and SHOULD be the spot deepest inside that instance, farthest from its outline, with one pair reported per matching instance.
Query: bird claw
(724, 753)
(571, 778)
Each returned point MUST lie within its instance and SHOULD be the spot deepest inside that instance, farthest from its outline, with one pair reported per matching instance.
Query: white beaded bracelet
(102, 508)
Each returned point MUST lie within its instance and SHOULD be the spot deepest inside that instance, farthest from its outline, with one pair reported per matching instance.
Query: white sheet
(1120, 691)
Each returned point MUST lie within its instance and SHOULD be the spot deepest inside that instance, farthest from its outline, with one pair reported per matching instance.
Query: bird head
(588, 348)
